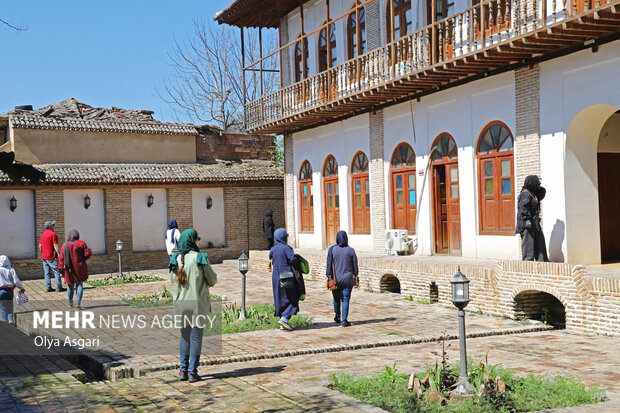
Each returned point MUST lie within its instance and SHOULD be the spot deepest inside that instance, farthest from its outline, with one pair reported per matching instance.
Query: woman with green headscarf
(192, 276)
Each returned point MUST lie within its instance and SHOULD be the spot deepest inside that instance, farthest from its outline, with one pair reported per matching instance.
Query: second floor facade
(339, 58)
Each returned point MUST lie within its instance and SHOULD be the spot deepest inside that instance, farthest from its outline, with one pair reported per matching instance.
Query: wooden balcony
(488, 36)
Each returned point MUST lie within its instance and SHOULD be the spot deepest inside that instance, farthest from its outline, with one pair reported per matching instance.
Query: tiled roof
(70, 114)
(125, 174)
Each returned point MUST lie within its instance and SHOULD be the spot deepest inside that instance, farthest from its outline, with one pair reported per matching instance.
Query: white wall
(17, 234)
(209, 223)
(90, 223)
(148, 225)
(576, 99)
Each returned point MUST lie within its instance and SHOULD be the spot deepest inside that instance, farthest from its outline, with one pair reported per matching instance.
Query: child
(8, 282)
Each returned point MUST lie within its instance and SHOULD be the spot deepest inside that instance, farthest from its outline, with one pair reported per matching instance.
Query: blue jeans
(78, 296)
(51, 265)
(189, 348)
(342, 295)
(6, 305)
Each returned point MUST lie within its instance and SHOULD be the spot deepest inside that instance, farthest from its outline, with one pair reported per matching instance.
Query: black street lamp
(86, 202)
(460, 299)
(209, 202)
(150, 200)
(119, 248)
(13, 204)
(243, 269)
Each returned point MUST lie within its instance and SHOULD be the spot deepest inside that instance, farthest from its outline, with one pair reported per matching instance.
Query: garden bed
(257, 317)
(114, 279)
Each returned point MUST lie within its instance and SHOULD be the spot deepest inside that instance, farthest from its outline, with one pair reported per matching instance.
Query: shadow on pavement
(251, 371)
(316, 326)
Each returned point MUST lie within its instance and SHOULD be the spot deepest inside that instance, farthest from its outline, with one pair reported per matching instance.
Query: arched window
(496, 180)
(355, 46)
(402, 19)
(306, 200)
(323, 47)
(402, 178)
(299, 71)
(331, 199)
(361, 194)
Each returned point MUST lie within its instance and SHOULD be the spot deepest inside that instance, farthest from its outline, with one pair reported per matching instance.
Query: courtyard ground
(274, 370)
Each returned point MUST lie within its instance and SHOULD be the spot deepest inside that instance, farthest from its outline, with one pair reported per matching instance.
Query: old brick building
(120, 174)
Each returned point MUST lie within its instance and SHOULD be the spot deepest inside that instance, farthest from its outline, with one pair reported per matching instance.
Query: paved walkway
(249, 380)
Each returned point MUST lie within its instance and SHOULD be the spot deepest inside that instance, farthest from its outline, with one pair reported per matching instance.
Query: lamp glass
(119, 245)
(243, 263)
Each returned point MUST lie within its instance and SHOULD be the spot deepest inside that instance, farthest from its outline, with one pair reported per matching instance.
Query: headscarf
(4, 261)
(72, 236)
(342, 240)
(532, 184)
(172, 224)
(280, 236)
(269, 213)
(187, 243)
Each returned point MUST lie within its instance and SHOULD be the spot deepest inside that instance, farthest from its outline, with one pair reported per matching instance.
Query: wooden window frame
(333, 179)
(498, 198)
(356, 47)
(406, 171)
(400, 10)
(322, 48)
(306, 214)
(299, 76)
(361, 225)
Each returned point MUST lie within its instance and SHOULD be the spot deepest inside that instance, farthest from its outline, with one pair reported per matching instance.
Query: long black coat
(528, 204)
(268, 225)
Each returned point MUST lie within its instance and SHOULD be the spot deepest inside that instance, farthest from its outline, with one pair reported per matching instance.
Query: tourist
(172, 238)
(268, 227)
(285, 293)
(528, 220)
(342, 267)
(8, 282)
(48, 246)
(72, 264)
(192, 276)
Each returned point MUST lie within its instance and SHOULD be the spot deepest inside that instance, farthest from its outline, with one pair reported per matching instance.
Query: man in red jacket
(49, 252)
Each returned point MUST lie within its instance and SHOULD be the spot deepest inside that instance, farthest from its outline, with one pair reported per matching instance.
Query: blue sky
(103, 53)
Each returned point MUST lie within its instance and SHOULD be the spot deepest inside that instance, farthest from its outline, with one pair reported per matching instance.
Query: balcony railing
(491, 34)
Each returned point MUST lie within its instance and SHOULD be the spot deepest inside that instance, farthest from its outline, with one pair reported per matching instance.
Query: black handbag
(287, 278)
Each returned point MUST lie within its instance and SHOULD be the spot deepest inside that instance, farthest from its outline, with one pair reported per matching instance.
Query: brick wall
(377, 181)
(508, 289)
(373, 25)
(242, 228)
(527, 105)
(211, 145)
(289, 188)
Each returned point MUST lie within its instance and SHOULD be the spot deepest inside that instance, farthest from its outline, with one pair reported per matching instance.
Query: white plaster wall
(209, 223)
(576, 98)
(90, 223)
(17, 240)
(148, 225)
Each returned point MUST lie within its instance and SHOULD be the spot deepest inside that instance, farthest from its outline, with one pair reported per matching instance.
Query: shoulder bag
(287, 278)
(331, 283)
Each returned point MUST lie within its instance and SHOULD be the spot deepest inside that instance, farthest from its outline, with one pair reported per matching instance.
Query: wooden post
(392, 49)
(245, 124)
(260, 70)
(303, 51)
(544, 13)
(433, 32)
(281, 72)
(329, 51)
(482, 22)
(358, 46)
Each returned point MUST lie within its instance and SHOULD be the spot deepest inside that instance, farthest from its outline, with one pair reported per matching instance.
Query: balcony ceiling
(256, 13)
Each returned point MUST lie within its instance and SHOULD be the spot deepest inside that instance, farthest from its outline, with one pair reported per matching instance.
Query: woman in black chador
(528, 220)
(269, 227)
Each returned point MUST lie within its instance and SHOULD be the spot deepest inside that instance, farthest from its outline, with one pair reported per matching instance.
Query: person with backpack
(72, 264)
(172, 237)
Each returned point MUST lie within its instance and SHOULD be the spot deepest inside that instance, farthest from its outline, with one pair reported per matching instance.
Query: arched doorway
(591, 199)
(445, 192)
(331, 199)
(389, 283)
(403, 190)
(541, 306)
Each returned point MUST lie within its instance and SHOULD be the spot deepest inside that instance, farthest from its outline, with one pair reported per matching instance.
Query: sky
(102, 53)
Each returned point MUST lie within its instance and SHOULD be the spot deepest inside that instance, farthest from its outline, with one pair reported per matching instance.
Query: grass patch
(388, 390)
(258, 317)
(424, 301)
(156, 299)
(113, 279)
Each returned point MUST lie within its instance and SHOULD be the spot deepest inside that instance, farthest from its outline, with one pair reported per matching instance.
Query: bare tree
(207, 84)
(13, 26)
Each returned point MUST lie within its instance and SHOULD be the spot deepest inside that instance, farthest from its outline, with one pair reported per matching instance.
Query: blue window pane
(412, 197)
(506, 187)
(329, 189)
(358, 187)
(305, 190)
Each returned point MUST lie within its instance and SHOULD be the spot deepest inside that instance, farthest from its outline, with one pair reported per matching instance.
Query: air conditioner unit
(397, 241)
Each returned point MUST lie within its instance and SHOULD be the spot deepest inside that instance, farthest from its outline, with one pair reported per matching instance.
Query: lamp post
(119, 248)
(460, 299)
(243, 269)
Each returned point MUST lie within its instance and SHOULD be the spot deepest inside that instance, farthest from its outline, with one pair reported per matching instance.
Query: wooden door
(609, 205)
(446, 209)
(332, 209)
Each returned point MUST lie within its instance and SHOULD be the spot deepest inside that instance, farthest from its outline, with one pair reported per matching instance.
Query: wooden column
(358, 36)
(329, 50)
(245, 123)
(433, 32)
(260, 70)
(391, 39)
(304, 72)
